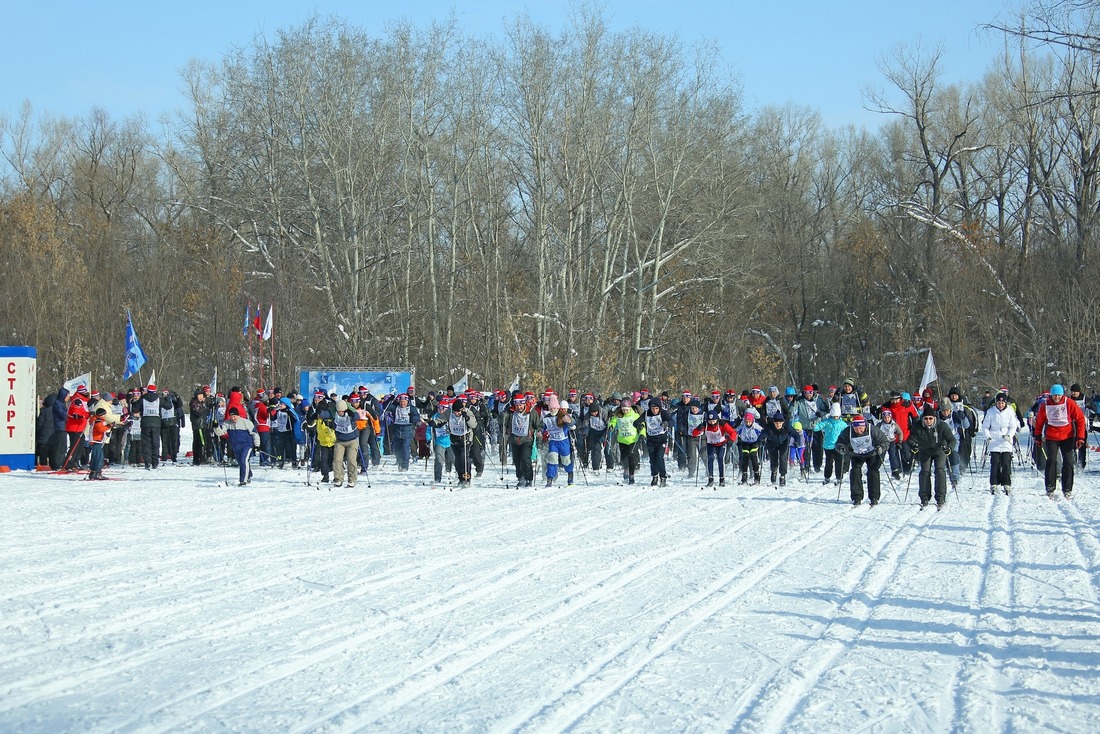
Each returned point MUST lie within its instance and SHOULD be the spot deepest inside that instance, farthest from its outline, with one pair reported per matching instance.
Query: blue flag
(244, 331)
(135, 355)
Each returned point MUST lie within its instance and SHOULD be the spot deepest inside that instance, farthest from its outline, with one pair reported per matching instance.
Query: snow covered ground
(165, 602)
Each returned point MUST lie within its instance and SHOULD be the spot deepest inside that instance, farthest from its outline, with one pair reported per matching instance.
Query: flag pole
(248, 332)
(271, 338)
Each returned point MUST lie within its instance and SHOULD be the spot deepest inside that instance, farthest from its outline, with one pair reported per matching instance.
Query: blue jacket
(60, 410)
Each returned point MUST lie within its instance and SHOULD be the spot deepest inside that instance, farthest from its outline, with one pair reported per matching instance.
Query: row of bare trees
(585, 208)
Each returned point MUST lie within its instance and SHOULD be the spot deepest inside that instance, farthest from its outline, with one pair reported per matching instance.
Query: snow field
(165, 602)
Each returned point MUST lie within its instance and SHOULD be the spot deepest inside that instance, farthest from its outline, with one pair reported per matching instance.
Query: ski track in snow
(781, 697)
(155, 605)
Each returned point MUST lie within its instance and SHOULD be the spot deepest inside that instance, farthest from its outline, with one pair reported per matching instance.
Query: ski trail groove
(447, 666)
(563, 714)
(336, 640)
(776, 701)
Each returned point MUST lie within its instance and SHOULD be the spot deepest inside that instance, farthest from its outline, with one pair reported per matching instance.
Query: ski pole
(573, 441)
(366, 469)
(309, 466)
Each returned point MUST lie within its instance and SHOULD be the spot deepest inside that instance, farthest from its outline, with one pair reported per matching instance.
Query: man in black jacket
(932, 442)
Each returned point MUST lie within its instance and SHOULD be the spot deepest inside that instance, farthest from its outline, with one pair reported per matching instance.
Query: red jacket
(1059, 421)
(263, 424)
(719, 437)
(903, 415)
(76, 420)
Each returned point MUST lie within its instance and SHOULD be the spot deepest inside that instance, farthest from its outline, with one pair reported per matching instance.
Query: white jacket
(1001, 426)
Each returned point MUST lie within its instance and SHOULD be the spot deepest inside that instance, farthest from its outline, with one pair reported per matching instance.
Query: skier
(150, 426)
(830, 430)
(932, 441)
(1060, 426)
(101, 433)
(749, 434)
(461, 424)
(693, 441)
(76, 421)
(810, 408)
(957, 421)
(966, 437)
(1077, 396)
(242, 438)
(892, 431)
(401, 417)
(778, 437)
(320, 421)
(718, 436)
(863, 445)
(441, 439)
(627, 427)
(1001, 426)
(345, 452)
(658, 426)
(593, 422)
(555, 426)
(520, 431)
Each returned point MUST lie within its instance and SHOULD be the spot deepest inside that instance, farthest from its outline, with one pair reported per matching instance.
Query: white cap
(834, 411)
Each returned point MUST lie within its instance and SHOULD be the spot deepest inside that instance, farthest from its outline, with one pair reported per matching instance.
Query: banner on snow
(344, 381)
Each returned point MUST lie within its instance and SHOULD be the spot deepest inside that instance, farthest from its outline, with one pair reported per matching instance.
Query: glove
(1080, 442)
(946, 450)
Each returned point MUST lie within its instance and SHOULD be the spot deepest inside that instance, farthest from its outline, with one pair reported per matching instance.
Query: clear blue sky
(67, 57)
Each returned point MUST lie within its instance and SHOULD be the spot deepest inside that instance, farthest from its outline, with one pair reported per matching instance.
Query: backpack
(973, 416)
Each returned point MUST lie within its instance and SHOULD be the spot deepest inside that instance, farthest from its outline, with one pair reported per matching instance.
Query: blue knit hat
(1057, 389)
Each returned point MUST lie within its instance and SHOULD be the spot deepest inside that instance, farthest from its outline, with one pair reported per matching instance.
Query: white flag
(214, 383)
(514, 386)
(152, 379)
(267, 324)
(73, 384)
(462, 384)
(930, 375)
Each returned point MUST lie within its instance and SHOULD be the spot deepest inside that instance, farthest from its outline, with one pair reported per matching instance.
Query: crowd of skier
(812, 433)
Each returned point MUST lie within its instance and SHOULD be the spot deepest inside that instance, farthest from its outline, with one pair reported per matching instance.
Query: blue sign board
(343, 382)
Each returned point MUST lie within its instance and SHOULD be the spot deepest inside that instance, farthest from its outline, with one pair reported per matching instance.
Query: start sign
(18, 406)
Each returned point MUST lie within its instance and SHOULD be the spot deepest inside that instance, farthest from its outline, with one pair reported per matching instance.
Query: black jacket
(931, 441)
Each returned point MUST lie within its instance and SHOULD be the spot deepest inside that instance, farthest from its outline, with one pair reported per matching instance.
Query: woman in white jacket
(1001, 426)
